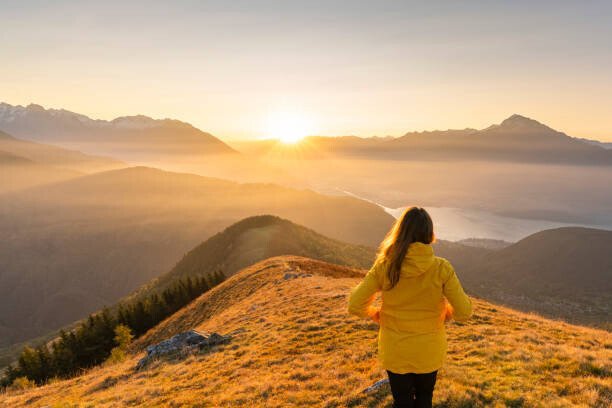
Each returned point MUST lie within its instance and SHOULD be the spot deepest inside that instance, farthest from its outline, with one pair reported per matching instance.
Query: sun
(289, 127)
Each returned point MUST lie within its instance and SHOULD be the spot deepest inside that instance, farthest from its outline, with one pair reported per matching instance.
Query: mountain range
(516, 139)
(140, 139)
(130, 138)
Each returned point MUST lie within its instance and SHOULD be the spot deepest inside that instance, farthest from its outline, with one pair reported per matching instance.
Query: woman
(415, 287)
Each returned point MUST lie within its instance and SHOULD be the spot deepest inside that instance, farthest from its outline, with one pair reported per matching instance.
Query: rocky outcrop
(376, 386)
(291, 275)
(182, 345)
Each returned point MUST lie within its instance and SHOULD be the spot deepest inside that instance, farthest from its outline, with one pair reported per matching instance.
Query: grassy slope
(300, 348)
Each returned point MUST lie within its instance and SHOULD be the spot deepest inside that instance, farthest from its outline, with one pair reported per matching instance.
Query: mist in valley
(492, 194)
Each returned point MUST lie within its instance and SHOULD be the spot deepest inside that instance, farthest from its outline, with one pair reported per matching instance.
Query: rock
(376, 386)
(289, 275)
(181, 345)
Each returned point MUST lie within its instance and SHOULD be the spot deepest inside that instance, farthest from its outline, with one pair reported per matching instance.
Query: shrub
(22, 383)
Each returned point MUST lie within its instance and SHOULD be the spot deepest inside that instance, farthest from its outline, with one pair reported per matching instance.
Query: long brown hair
(414, 225)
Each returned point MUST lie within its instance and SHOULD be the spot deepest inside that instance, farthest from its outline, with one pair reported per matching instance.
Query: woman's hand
(448, 313)
(375, 316)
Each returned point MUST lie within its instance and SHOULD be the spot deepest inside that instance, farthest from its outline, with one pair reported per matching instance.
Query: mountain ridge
(11, 113)
(562, 273)
(253, 239)
(515, 139)
(131, 138)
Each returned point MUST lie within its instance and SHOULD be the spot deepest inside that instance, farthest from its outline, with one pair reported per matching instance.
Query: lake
(454, 224)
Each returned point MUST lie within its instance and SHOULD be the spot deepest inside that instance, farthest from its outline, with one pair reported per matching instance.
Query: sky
(234, 68)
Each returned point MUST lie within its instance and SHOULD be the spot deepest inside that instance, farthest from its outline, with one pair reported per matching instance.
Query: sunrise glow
(289, 127)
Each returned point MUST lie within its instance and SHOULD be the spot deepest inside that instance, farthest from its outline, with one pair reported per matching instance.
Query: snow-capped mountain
(128, 138)
(14, 114)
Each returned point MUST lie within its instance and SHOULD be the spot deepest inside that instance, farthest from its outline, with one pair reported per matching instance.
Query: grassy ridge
(254, 239)
(298, 347)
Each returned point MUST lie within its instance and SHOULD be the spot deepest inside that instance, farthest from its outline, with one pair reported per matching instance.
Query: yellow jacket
(412, 338)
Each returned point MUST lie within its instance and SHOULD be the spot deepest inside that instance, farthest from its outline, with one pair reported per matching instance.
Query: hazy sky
(345, 67)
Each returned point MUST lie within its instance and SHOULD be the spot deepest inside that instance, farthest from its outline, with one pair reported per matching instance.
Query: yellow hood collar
(419, 259)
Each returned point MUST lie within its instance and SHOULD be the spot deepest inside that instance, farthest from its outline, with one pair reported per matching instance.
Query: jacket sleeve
(453, 291)
(362, 296)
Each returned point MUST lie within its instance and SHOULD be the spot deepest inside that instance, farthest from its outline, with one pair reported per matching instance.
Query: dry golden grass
(298, 347)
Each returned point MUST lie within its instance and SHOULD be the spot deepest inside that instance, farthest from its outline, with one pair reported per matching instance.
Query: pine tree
(139, 318)
(29, 364)
(157, 310)
(218, 277)
(123, 338)
(63, 355)
(202, 285)
(10, 374)
(44, 363)
(122, 315)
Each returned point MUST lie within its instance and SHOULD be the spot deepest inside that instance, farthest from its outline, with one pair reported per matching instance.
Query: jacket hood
(419, 258)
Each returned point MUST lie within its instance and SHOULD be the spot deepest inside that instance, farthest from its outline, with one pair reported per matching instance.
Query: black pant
(412, 390)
